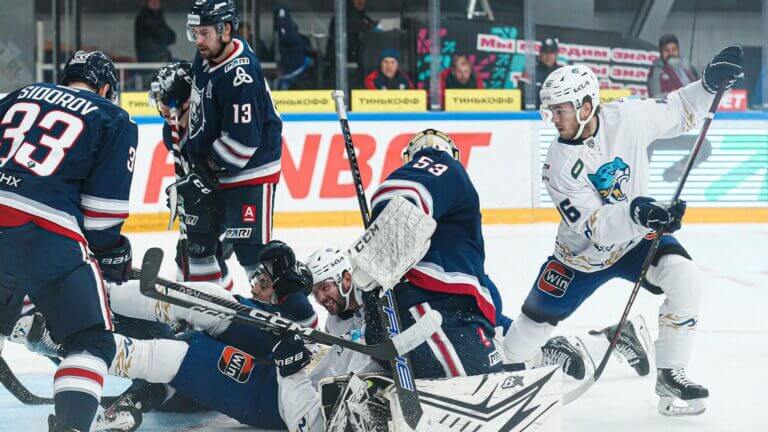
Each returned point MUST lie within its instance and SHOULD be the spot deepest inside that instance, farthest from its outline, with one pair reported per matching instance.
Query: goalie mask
(572, 84)
(171, 85)
(329, 265)
(430, 138)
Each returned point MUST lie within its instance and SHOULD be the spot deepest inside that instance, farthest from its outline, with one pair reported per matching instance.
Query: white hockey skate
(679, 396)
(124, 415)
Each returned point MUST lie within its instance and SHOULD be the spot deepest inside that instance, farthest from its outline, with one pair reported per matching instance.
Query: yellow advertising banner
(482, 100)
(610, 95)
(303, 101)
(389, 100)
(137, 104)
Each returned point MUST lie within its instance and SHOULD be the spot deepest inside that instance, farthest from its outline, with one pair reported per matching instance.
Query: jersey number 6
(569, 212)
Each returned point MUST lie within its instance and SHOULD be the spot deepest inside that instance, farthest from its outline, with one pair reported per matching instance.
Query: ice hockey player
(202, 258)
(65, 175)
(597, 175)
(234, 133)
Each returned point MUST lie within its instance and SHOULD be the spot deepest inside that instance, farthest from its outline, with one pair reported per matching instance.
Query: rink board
(502, 152)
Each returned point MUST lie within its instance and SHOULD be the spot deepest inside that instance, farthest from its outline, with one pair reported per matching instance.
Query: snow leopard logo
(196, 113)
(608, 180)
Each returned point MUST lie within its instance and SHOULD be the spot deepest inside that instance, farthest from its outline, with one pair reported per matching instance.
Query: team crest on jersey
(236, 364)
(609, 178)
(196, 114)
(555, 278)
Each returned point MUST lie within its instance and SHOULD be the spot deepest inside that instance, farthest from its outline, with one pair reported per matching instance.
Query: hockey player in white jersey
(596, 173)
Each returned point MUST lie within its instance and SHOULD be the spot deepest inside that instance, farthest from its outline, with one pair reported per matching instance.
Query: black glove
(653, 214)
(725, 66)
(115, 263)
(288, 276)
(290, 355)
(196, 200)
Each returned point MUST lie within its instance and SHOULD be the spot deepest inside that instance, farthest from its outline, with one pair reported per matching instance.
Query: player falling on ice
(170, 91)
(65, 168)
(596, 172)
(234, 137)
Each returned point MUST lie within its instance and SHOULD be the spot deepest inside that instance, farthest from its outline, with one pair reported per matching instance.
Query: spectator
(546, 63)
(388, 76)
(293, 48)
(459, 76)
(358, 22)
(152, 34)
(670, 71)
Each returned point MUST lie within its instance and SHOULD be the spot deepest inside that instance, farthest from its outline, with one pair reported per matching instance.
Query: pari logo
(555, 278)
(608, 179)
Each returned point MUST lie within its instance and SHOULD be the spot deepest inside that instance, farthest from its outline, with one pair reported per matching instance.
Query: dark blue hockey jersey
(66, 162)
(455, 261)
(233, 121)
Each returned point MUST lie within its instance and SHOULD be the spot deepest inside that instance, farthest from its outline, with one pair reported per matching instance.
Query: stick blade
(150, 267)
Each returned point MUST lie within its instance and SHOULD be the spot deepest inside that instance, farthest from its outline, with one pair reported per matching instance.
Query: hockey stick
(654, 247)
(407, 395)
(153, 286)
(17, 389)
(180, 171)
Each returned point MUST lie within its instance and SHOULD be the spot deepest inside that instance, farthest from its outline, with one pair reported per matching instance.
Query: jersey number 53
(428, 164)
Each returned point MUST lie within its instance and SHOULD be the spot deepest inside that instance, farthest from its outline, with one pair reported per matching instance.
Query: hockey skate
(672, 385)
(124, 415)
(31, 331)
(570, 357)
(53, 426)
(633, 344)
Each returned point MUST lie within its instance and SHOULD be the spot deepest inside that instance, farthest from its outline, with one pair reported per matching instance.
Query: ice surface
(729, 357)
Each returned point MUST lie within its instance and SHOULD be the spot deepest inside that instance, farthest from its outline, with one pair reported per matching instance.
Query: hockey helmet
(430, 138)
(212, 13)
(572, 84)
(93, 68)
(171, 85)
(329, 264)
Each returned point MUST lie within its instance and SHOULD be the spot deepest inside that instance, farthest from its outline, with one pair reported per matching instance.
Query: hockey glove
(288, 276)
(656, 215)
(290, 355)
(725, 66)
(115, 263)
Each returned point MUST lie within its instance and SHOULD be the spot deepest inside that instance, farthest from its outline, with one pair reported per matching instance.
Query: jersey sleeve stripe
(105, 205)
(229, 155)
(408, 189)
(46, 217)
(267, 173)
(432, 278)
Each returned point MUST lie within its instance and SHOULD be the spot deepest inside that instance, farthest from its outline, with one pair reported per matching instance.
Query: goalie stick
(153, 286)
(407, 395)
(649, 257)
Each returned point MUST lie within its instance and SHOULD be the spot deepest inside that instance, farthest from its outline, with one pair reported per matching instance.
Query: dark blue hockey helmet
(93, 68)
(212, 13)
(171, 85)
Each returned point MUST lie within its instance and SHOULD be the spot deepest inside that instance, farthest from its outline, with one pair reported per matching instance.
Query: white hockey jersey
(593, 181)
(299, 399)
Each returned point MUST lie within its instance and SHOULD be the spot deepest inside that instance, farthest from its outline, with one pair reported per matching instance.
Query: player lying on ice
(597, 172)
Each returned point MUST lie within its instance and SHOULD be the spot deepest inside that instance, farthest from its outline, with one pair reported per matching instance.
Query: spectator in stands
(152, 35)
(460, 75)
(292, 47)
(546, 63)
(388, 76)
(358, 22)
(670, 71)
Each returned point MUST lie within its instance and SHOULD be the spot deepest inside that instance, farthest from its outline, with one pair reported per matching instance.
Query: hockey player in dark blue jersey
(66, 164)
(200, 255)
(451, 276)
(234, 144)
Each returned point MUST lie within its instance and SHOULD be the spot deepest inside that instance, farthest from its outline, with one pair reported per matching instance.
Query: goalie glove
(392, 244)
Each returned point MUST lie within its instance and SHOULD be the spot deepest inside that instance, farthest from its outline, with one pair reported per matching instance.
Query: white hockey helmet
(570, 84)
(329, 264)
(430, 138)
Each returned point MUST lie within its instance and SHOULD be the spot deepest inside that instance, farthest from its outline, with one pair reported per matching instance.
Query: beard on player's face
(327, 294)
